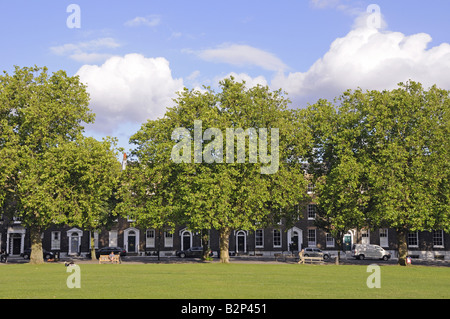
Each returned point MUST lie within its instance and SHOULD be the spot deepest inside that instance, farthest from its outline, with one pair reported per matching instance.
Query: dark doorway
(186, 240)
(131, 242)
(16, 243)
(241, 242)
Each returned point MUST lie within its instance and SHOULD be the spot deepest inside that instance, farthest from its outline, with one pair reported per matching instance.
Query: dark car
(46, 254)
(108, 250)
(192, 252)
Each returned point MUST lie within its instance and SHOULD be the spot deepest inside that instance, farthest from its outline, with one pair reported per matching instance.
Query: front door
(347, 242)
(241, 242)
(17, 240)
(294, 241)
(74, 243)
(132, 243)
(186, 241)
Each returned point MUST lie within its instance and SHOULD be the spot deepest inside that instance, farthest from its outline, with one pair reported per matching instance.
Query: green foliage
(222, 195)
(53, 174)
(381, 159)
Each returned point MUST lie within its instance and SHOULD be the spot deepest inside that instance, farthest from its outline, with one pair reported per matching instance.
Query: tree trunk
(93, 255)
(340, 246)
(205, 238)
(37, 255)
(224, 238)
(402, 246)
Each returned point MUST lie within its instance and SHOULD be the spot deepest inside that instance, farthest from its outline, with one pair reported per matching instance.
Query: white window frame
(365, 236)
(312, 243)
(261, 236)
(311, 211)
(384, 233)
(278, 231)
(413, 236)
(441, 237)
(56, 242)
(168, 239)
(112, 238)
(150, 240)
(330, 242)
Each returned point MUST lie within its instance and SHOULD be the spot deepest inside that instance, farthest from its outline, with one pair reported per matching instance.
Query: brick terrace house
(70, 241)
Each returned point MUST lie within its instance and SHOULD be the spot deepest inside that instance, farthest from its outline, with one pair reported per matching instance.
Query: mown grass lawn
(222, 281)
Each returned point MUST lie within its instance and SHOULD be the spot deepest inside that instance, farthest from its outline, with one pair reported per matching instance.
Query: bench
(310, 259)
(105, 258)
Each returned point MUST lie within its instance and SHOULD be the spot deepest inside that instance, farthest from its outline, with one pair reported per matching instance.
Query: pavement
(237, 259)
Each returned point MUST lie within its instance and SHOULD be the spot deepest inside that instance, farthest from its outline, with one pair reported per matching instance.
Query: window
(150, 238)
(113, 238)
(276, 238)
(311, 237)
(311, 211)
(330, 240)
(17, 219)
(413, 239)
(56, 240)
(259, 238)
(168, 239)
(384, 237)
(311, 187)
(438, 239)
(365, 237)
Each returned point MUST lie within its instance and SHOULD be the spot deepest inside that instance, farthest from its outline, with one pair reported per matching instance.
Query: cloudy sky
(134, 55)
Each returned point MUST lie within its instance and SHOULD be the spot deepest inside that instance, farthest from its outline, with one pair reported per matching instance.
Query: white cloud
(242, 55)
(371, 59)
(87, 51)
(129, 89)
(149, 21)
(249, 81)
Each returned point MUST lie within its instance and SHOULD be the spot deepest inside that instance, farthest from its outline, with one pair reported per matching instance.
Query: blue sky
(134, 55)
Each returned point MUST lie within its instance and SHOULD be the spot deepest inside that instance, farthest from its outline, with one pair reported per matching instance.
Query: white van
(360, 251)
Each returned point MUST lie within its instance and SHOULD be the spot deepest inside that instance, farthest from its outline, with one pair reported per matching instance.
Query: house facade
(73, 241)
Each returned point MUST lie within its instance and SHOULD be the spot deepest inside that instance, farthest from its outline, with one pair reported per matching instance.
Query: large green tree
(408, 156)
(336, 169)
(56, 175)
(382, 160)
(209, 179)
(84, 175)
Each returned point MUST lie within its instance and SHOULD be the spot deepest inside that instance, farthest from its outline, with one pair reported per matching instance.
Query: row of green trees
(378, 159)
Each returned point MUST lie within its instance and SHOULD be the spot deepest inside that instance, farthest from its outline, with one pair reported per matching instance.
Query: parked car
(315, 252)
(192, 252)
(360, 251)
(46, 254)
(108, 250)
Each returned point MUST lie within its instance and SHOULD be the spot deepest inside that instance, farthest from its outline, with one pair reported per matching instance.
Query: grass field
(222, 281)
